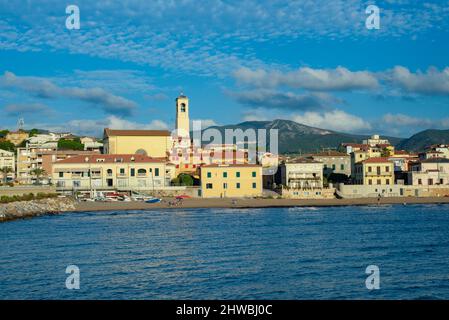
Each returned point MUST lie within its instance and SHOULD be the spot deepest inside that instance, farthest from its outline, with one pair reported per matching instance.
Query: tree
(38, 173)
(3, 133)
(70, 145)
(183, 179)
(33, 132)
(4, 171)
(7, 145)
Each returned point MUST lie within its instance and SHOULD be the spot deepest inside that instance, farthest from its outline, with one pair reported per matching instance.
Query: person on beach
(378, 199)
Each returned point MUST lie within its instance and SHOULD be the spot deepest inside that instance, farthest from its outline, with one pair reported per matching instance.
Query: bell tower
(182, 116)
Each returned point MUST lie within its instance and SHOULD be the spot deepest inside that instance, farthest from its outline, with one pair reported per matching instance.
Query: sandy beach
(250, 203)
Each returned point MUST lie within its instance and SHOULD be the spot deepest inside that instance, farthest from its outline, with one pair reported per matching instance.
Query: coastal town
(150, 165)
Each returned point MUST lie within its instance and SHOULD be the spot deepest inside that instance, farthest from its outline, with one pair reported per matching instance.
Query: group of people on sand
(176, 203)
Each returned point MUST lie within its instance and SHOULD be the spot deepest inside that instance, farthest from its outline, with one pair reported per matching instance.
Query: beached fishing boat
(153, 200)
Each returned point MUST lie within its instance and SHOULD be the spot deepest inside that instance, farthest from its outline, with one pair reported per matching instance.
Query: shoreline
(196, 203)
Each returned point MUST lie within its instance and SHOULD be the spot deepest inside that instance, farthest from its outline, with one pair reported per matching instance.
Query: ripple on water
(273, 253)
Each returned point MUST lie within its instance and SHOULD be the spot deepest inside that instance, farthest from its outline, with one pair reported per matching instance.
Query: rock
(24, 209)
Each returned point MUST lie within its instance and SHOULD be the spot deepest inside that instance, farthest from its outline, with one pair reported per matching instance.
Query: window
(60, 184)
(183, 107)
(225, 174)
(225, 185)
(209, 174)
(441, 181)
(237, 185)
(122, 171)
(342, 167)
(209, 186)
(387, 168)
(388, 180)
(370, 182)
(61, 174)
(156, 172)
(76, 184)
(254, 185)
(133, 172)
(109, 172)
(430, 182)
(141, 172)
(370, 169)
(254, 174)
(237, 174)
(419, 181)
(333, 167)
(379, 181)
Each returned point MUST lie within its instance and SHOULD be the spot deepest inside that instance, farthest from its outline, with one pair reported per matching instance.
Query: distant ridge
(423, 139)
(299, 138)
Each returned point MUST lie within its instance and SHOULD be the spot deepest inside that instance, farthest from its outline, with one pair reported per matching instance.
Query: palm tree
(5, 170)
(38, 173)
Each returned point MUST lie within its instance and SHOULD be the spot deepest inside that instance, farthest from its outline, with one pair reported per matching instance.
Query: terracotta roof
(330, 153)
(377, 160)
(160, 133)
(302, 160)
(353, 145)
(435, 160)
(112, 158)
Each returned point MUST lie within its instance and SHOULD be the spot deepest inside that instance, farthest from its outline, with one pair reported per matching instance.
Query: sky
(311, 61)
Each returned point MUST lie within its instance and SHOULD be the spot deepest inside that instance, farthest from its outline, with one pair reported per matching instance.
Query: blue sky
(312, 61)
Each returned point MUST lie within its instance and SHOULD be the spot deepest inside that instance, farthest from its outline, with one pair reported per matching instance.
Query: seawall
(33, 208)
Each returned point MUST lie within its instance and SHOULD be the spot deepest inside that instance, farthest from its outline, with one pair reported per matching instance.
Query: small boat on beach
(153, 200)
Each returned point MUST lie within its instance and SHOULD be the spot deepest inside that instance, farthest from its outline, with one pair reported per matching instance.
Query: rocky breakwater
(33, 208)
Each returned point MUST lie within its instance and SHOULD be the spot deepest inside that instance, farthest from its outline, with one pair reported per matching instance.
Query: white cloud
(338, 79)
(44, 88)
(432, 82)
(272, 99)
(30, 109)
(96, 127)
(337, 120)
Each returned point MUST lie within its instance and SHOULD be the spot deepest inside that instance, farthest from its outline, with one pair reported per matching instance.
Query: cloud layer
(43, 88)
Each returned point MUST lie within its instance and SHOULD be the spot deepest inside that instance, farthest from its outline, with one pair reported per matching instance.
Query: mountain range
(294, 137)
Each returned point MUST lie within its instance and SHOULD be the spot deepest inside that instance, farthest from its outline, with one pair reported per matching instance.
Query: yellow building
(234, 180)
(374, 171)
(117, 172)
(152, 143)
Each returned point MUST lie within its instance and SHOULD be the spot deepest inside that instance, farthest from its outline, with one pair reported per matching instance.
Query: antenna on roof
(20, 124)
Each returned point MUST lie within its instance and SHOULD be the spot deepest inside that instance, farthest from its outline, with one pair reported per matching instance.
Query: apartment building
(112, 172)
(334, 162)
(302, 174)
(231, 180)
(432, 171)
(374, 171)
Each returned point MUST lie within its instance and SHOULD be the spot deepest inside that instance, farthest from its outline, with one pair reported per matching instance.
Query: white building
(375, 140)
(302, 174)
(432, 171)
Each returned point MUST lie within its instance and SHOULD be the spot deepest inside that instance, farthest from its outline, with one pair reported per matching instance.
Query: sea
(354, 252)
